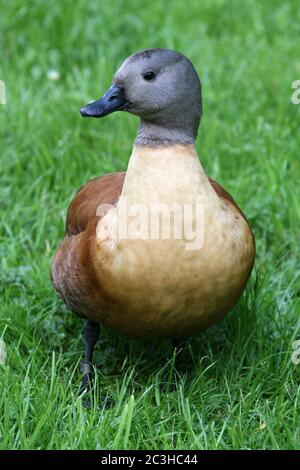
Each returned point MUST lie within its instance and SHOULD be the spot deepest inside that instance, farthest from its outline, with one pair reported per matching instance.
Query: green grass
(238, 387)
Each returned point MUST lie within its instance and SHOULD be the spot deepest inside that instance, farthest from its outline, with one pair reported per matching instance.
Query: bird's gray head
(160, 86)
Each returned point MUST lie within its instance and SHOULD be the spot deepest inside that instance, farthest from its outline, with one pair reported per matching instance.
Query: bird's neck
(151, 134)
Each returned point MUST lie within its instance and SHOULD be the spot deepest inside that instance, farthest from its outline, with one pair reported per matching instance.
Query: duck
(116, 266)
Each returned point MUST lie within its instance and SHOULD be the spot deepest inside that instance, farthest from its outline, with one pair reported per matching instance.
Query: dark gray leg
(92, 331)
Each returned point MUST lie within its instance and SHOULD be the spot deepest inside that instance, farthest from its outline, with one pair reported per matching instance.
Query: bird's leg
(92, 331)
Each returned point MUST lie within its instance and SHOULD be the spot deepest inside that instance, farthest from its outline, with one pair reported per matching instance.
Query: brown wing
(72, 271)
(102, 190)
(229, 200)
(222, 193)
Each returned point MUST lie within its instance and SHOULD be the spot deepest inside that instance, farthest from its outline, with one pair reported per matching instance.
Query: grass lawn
(238, 387)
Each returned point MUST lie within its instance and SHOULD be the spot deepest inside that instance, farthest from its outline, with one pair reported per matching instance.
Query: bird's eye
(149, 75)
